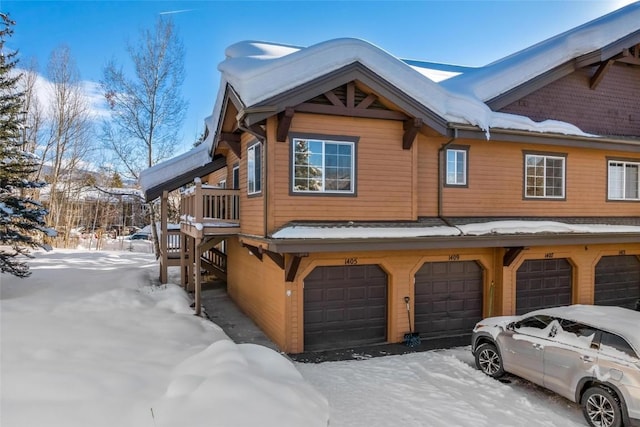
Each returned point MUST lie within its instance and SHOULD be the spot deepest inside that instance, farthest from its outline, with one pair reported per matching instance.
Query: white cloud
(91, 90)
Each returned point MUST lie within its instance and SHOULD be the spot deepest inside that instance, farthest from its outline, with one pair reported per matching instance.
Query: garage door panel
(354, 306)
(543, 283)
(334, 315)
(356, 293)
(379, 292)
(334, 294)
(617, 281)
(442, 290)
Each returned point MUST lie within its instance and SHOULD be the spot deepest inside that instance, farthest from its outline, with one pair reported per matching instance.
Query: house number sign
(351, 261)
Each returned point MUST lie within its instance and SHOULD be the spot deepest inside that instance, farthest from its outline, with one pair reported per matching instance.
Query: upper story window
(457, 166)
(254, 168)
(323, 166)
(624, 180)
(544, 176)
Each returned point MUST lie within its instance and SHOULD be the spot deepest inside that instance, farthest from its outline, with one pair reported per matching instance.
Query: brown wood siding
(496, 179)
(427, 188)
(257, 287)
(251, 206)
(612, 108)
(215, 177)
(384, 171)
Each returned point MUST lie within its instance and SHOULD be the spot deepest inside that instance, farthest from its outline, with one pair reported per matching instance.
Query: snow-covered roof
(436, 71)
(176, 166)
(487, 82)
(258, 71)
(510, 227)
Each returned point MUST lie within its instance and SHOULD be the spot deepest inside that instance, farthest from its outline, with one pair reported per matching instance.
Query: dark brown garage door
(618, 281)
(345, 306)
(448, 298)
(542, 283)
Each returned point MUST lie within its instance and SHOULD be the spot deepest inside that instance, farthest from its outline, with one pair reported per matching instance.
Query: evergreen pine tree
(22, 219)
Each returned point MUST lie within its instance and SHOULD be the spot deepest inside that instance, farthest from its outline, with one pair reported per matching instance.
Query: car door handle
(586, 358)
(538, 346)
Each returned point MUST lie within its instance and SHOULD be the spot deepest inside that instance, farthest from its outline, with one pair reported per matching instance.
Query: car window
(537, 322)
(615, 345)
(534, 325)
(575, 333)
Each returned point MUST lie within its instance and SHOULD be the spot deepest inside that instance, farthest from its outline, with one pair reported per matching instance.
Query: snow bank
(86, 341)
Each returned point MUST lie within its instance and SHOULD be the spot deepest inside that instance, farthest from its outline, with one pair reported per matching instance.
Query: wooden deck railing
(203, 203)
(173, 244)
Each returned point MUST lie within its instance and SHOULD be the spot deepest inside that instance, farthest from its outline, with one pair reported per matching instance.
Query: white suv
(588, 354)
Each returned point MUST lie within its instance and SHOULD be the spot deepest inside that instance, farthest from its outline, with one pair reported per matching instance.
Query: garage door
(618, 281)
(542, 283)
(448, 298)
(345, 306)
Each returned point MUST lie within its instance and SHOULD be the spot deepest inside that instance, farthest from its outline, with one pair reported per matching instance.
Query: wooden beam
(276, 257)
(365, 103)
(510, 256)
(198, 283)
(164, 257)
(256, 251)
(599, 74)
(208, 244)
(351, 95)
(411, 128)
(258, 130)
(334, 99)
(231, 140)
(291, 269)
(350, 112)
(284, 123)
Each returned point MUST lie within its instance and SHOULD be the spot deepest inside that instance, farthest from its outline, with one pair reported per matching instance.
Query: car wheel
(489, 361)
(601, 408)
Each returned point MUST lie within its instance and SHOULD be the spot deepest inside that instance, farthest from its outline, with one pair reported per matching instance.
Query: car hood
(494, 325)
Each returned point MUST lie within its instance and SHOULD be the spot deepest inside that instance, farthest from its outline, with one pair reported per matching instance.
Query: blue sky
(473, 32)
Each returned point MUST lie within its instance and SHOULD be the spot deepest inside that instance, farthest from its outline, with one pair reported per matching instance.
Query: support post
(164, 256)
(197, 254)
(184, 267)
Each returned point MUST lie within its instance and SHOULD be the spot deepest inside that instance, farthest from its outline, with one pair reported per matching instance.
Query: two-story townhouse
(342, 191)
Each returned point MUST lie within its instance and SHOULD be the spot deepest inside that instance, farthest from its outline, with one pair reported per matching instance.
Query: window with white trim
(624, 180)
(254, 168)
(323, 166)
(456, 167)
(544, 176)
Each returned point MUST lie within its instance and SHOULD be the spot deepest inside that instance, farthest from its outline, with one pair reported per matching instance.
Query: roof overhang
(356, 71)
(176, 182)
(447, 242)
(590, 59)
(528, 137)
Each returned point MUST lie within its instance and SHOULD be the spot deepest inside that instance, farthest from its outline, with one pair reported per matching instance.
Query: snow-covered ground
(86, 341)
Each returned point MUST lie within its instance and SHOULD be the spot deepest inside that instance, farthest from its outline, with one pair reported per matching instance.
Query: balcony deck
(209, 211)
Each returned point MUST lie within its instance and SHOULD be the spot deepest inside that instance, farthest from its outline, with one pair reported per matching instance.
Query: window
(236, 177)
(544, 176)
(254, 169)
(615, 345)
(322, 166)
(536, 322)
(457, 166)
(624, 180)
